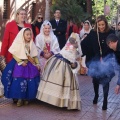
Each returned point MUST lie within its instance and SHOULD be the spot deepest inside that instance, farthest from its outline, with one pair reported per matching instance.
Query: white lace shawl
(72, 54)
(40, 40)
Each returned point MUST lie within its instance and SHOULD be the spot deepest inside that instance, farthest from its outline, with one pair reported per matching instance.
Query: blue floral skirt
(20, 82)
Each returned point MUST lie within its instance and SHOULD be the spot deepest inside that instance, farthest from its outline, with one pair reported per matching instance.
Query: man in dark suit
(59, 28)
(114, 43)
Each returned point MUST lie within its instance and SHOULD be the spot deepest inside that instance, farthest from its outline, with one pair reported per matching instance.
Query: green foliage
(98, 8)
(70, 9)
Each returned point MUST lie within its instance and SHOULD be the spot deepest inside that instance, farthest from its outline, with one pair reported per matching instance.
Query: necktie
(57, 22)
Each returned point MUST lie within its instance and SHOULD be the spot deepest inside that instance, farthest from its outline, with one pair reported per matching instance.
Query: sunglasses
(40, 18)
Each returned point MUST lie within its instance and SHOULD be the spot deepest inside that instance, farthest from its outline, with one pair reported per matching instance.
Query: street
(38, 110)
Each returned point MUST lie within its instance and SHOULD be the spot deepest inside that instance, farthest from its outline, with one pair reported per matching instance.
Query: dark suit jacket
(60, 31)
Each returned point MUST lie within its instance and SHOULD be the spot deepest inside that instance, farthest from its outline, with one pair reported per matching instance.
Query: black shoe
(15, 100)
(95, 99)
(104, 107)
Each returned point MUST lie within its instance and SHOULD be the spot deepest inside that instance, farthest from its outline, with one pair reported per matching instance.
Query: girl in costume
(59, 84)
(47, 43)
(21, 76)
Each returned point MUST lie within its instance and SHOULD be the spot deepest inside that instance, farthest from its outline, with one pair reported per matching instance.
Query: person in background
(11, 30)
(83, 33)
(96, 50)
(114, 43)
(117, 32)
(113, 27)
(21, 76)
(36, 25)
(47, 43)
(71, 28)
(1, 87)
(85, 30)
(80, 26)
(59, 27)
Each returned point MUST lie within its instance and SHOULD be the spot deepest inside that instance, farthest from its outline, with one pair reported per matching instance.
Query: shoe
(19, 103)
(104, 107)
(95, 99)
(26, 102)
(1, 96)
(15, 100)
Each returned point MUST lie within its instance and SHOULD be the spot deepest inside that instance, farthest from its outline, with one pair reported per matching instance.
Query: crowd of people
(43, 59)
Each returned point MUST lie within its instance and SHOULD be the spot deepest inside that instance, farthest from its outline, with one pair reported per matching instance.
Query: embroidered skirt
(58, 85)
(20, 82)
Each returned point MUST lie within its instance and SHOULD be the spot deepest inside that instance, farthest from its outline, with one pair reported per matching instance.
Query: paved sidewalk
(38, 110)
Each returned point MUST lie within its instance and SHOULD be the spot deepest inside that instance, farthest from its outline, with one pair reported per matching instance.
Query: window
(6, 7)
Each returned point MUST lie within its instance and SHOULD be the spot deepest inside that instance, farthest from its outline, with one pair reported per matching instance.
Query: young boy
(114, 43)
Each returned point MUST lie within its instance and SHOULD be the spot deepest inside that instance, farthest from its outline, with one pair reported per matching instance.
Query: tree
(98, 8)
(47, 9)
(70, 9)
(89, 6)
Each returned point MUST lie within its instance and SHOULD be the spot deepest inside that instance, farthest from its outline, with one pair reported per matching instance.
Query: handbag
(82, 70)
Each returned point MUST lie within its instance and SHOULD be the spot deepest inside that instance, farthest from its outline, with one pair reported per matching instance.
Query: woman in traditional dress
(47, 43)
(85, 30)
(59, 85)
(21, 76)
(83, 33)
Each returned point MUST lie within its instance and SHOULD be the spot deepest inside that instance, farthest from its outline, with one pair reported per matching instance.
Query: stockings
(105, 93)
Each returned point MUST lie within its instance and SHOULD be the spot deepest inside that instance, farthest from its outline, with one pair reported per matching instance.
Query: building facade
(9, 7)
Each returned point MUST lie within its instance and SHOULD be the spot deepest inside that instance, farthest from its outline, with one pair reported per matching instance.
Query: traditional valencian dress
(59, 85)
(46, 44)
(21, 82)
(83, 34)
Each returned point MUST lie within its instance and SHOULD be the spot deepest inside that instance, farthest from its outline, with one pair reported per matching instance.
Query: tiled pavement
(37, 110)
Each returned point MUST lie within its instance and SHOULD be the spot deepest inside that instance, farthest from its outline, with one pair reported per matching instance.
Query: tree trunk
(47, 10)
(89, 6)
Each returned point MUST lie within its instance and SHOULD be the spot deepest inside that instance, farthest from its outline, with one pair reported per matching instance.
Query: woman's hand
(24, 64)
(74, 65)
(117, 89)
(78, 59)
(38, 67)
(47, 55)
